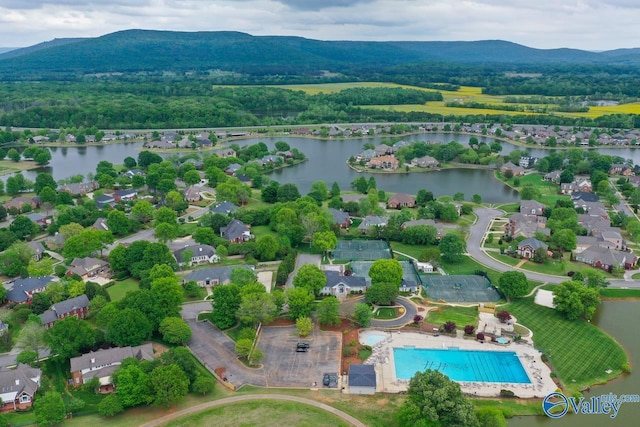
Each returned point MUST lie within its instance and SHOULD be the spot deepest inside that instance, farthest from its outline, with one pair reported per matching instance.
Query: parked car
(302, 347)
(326, 380)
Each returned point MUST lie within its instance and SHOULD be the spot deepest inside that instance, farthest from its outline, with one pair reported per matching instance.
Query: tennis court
(460, 288)
(361, 250)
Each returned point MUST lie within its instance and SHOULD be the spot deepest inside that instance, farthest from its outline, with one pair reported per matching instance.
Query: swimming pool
(372, 337)
(461, 365)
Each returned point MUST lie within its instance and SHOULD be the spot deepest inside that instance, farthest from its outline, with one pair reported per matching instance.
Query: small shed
(362, 379)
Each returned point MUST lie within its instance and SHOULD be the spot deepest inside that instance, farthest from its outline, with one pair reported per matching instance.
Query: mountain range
(145, 50)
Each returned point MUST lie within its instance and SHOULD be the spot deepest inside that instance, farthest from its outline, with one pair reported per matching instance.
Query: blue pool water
(461, 365)
(373, 338)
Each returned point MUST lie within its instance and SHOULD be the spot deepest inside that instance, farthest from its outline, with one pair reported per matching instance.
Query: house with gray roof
(199, 254)
(370, 221)
(424, 222)
(105, 201)
(38, 250)
(341, 218)
(341, 285)
(366, 155)
(21, 290)
(362, 379)
(214, 275)
(233, 168)
(77, 307)
(102, 363)
(236, 232)
(528, 247)
(100, 224)
(526, 225)
(80, 188)
(18, 387)
(87, 267)
(425, 162)
(595, 225)
(607, 259)
(553, 176)
(532, 207)
(225, 208)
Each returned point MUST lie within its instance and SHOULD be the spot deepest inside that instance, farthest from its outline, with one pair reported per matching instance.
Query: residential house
(384, 162)
(38, 250)
(425, 162)
(341, 218)
(366, 155)
(233, 168)
(102, 363)
(595, 225)
(532, 207)
(55, 242)
(199, 254)
(236, 232)
(39, 219)
(105, 201)
(607, 259)
(21, 290)
(18, 387)
(525, 225)
(401, 200)
(579, 184)
(553, 176)
(515, 169)
(159, 144)
(193, 194)
(100, 224)
(271, 159)
(527, 248)
(214, 275)
(424, 267)
(225, 208)
(362, 379)
(244, 179)
(409, 286)
(76, 307)
(133, 172)
(615, 238)
(370, 221)
(18, 202)
(125, 195)
(341, 285)
(527, 162)
(383, 149)
(427, 222)
(79, 189)
(226, 152)
(300, 131)
(88, 267)
(621, 169)
(580, 196)
(595, 209)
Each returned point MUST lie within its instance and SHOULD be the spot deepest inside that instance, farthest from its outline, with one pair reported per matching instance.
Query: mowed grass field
(464, 94)
(461, 316)
(580, 353)
(262, 412)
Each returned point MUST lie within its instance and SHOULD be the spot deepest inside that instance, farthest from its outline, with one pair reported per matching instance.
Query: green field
(620, 293)
(120, 289)
(579, 352)
(261, 412)
(461, 316)
(385, 313)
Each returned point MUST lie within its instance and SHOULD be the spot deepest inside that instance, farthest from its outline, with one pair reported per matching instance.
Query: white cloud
(585, 24)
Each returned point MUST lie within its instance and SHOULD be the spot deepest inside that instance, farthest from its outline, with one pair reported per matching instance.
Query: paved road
(410, 311)
(215, 349)
(236, 399)
(476, 234)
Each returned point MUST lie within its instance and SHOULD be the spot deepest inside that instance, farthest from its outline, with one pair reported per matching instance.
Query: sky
(545, 24)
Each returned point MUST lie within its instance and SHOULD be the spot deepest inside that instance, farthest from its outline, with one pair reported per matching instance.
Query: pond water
(618, 318)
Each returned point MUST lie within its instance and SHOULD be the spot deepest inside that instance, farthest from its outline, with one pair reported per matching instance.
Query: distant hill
(142, 50)
(7, 49)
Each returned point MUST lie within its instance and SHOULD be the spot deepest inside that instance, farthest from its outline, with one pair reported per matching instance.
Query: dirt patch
(349, 331)
(282, 321)
(158, 349)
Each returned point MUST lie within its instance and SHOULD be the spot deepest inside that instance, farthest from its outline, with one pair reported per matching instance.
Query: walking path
(236, 399)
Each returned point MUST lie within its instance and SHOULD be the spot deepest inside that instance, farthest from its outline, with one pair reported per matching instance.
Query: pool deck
(538, 373)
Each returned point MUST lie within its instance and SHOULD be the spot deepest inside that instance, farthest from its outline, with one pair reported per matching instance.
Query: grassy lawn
(636, 276)
(469, 266)
(510, 407)
(579, 352)
(385, 313)
(256, 412)
(120, 289)
(263, 230)
(557, 267)
(504, 258)
(187, 229)
(411, 250)
(620, 293)
(461, 316)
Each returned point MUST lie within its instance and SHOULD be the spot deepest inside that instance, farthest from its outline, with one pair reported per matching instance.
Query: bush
(507, 393)
(449, 327)
(504, 316)
(469, 329)
(626, 368)
(110, 406)
(417, 319)
(480, 336)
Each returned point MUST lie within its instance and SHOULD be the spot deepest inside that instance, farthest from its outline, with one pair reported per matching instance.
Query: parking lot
(285, 367)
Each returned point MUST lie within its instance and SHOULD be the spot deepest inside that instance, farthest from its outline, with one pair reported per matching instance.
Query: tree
(503, 316)
(300, 301)
(28, 357)
(44, 180)
(142, 211)
(477, 199)
(13, 154)
(165, 215)
(129, 327)
(319, 191)
(69, 337)
(431, 255)
(226, 300)
(452, 247)
(205, 236)
(42, 157)
(266, 248)
(167, 295)
(41, 268)
(49, 409)
(24, 228)
(574, 300)
(386, 270)
(419, 235)
(15, 260)
(304, 326)
(86, 243)
(362, 314)
(256, 308)
(243, 347)
(174, 330)
(530, 192)
(594, 278)
(70, 230)
(310, 277)
(328, 311)
(491, 417)
(382, 293)
(242, 276)
(165, 232)
(565, 240)
(132, 383)
(288, 193)
(203, 385)
(513, 284)
(325, 241)
(110, 405)
(434, 399)
(191, 177)
(32, 338)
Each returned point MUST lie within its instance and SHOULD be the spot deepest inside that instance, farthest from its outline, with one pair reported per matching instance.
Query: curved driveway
(410, 311)
(475, 251)
(343, 415)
